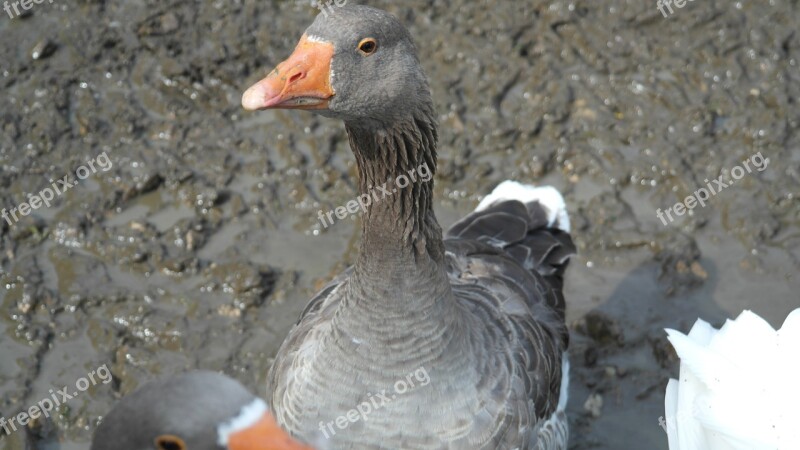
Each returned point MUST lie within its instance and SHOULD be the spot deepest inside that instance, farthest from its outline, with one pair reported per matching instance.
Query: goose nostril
(297, 76)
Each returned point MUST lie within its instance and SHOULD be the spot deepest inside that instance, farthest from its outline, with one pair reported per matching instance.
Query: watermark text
(376, 401)
(59, 397)
(59, 187)
(713, 187)
(375, 195)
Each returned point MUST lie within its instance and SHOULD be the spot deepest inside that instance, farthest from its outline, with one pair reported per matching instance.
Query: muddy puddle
(200, 245)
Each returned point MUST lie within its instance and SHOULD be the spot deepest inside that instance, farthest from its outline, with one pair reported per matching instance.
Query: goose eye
(170, 442)
(367, 46)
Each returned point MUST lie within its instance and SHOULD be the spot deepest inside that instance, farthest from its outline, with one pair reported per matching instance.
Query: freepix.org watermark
(25, 4)
(375, 195)
(322, 5)
(672, 423)
(59, 397)
(666, 5)
(46, 195)
(375, 402)
(714, 187)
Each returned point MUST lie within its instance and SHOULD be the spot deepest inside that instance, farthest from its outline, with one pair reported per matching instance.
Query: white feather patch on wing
(563, 394)
(547, 196)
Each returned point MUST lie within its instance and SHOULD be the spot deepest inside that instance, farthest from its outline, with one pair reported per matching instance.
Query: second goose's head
(194, 411)
(354, 63)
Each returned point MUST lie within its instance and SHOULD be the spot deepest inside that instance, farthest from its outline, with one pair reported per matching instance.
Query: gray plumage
(480, 312)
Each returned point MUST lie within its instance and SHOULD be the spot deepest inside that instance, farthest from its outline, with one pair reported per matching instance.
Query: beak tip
(252, 100)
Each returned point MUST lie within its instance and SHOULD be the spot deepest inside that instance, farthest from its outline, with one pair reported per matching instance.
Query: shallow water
(200, 246)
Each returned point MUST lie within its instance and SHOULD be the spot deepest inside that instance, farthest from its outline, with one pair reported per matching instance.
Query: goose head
(194, 411)
(354, 63)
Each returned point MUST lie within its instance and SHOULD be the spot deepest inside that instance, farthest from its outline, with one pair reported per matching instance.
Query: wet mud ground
(199, 247)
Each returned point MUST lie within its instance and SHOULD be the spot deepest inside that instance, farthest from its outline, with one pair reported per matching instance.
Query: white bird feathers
(739, 386)
(547, 196)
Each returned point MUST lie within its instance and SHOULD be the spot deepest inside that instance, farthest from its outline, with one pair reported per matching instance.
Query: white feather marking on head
(314, 38)
(248, 416)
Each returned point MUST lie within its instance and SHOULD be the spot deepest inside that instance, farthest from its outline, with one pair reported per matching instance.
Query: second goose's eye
(170, 442)
(367, 46)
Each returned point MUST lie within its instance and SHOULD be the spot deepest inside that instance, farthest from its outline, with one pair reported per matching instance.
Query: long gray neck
(400, 261)
(398, 311)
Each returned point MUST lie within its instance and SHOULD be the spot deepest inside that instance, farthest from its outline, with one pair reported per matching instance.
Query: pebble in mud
(249, 284)
(43, 49)
(680, 264)
(663, 351)
(146, 184)
(594, 404)
(590, 356)
(601, 327)
(159, 24)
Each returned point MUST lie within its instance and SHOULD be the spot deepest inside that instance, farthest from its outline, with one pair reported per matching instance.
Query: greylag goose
(737, 387)
(479, 314)
(195, 411)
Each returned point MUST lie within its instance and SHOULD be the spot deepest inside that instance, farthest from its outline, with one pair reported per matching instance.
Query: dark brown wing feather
(522, 231)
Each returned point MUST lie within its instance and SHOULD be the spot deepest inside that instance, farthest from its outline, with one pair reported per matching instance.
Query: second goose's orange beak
(301, 82)
(264, 435)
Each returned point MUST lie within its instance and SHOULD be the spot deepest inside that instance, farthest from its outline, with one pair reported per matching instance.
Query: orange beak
(301, 82)
(264, 435)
